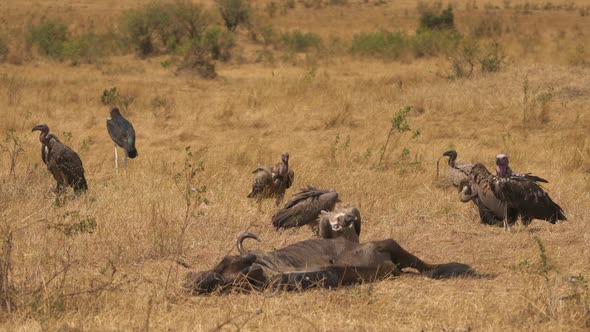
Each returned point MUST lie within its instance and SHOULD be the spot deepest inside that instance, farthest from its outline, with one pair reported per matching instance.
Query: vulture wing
(528, 197)
(69, 165)
(458, 174)
(304, 208)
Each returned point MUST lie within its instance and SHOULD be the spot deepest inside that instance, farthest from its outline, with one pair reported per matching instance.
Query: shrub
(234, 13)
(139, 30)
(380, 44)
(298, 41)
(492, 58)
(463, 59)
(432, 43)
(89, 47)
(198, 62)
(489, 25)
(218, 43)
(165, 25)
(49, 36)
(3, 50)
(271, 8)
(431, 19)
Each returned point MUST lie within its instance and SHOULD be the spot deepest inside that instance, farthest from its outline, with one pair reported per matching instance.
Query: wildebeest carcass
(504, 198)
(272, 181)
(327, 263)
(63, 163)
(305, 207)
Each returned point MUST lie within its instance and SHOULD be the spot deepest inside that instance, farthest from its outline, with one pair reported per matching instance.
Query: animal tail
(132, 153)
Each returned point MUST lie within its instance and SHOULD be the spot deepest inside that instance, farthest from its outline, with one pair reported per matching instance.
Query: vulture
(272, 181)
(506, 197)
(63, 163)
(122, 134)
(457, 173)
(305, 208)
(342, 222)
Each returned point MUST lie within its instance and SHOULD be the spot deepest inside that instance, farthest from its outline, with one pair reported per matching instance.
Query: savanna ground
(107, 260)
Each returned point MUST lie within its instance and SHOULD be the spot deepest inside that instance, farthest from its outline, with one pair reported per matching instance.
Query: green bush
(234, 13)
(49, 36)
(431, 19)
(433, 43)
(89, 47)
(3, 50)
(218, 43)
(162, 26)
(382, 44)
(139, 31)
(298, 41)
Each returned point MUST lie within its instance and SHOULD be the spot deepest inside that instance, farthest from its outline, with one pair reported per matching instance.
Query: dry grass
(114, 276)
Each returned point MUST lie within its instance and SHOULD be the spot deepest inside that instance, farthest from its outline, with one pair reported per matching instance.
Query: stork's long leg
(125, 162)
(116, 160)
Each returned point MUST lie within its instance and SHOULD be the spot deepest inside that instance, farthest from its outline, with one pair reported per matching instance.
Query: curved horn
(241, 239)
(437, 167)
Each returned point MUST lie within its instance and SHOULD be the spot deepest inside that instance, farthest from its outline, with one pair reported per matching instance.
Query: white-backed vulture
(272, 181)
(342, 222)
(519, 195)
(305, 207)
(327, 263)
(63, 163)
(457, 173)
(122, 134)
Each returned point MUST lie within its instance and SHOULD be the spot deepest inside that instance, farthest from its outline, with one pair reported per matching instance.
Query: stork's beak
(39, 127)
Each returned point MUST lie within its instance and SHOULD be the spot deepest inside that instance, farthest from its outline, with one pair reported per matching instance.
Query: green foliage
(271, 8)
(434, 43)
(432, 19)
(3, 49)
(492, 58)
(298, 41)
(393, 45)
(161, 26)
(138, 30)
(399, 124)
(382, 44)
(72, 223)
(218, 43)
(112, 97)
(89, 47)
(234, 13)
(49, 36)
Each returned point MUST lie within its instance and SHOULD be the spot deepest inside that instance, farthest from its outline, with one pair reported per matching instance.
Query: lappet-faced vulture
(272, 181)
(342, 222)
(122, 134)
(517, 194)
(63, 163)
(305, 207)
(503, 169)
(457, 173)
